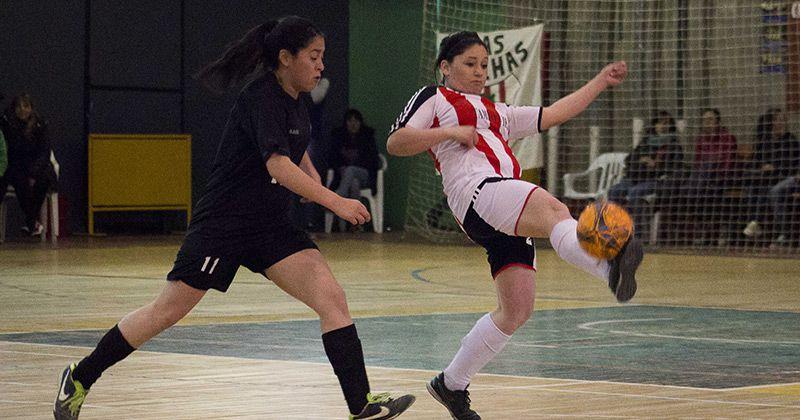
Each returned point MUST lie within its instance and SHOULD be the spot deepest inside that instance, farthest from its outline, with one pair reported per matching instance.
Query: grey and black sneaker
(456, 402)
(383, 407)
(622, 277)
(70, 396)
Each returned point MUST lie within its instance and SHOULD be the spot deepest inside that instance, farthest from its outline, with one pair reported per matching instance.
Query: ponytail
(257, 50)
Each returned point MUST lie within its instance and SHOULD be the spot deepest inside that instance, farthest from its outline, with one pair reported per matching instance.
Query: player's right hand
(614, 73)
(465, 134)
(352, 210)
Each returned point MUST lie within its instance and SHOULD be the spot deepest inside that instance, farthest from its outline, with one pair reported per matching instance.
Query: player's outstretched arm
(409, 141)
(573, 104)
(286, 173)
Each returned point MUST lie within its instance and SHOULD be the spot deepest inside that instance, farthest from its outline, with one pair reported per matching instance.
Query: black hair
(714, 111)
(455, 44)
(33, 120)
(662, 115)
(765, 123)
(23, 97)
(258, 49)
(353, 113)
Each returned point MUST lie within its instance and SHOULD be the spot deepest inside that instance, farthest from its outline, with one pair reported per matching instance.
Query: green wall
(384, 61)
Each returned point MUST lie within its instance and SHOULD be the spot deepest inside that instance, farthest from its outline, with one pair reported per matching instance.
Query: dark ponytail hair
(455, 44)
(258, 50)
(765, 123)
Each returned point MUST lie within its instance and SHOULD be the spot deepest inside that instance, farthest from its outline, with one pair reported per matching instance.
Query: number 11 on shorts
(213, 265)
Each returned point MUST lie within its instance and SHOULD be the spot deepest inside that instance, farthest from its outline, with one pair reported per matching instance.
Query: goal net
(701, 125)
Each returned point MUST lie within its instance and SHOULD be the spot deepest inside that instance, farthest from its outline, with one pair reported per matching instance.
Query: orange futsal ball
(603, 229)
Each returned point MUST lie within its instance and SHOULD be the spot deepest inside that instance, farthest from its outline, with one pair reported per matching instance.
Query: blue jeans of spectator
(780, 196)
(353, 179)
(633, 193)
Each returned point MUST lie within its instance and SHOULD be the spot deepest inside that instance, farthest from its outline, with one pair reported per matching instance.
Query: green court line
(658, 345)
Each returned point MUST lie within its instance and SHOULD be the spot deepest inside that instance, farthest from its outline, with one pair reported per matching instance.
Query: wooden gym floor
(704, 337)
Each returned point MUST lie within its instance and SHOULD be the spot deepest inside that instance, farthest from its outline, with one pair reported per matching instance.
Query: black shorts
(503, 250)
(206, 262)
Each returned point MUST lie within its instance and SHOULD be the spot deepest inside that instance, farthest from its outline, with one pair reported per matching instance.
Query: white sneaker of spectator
(752, 229)
(37, 230)
(779, 242)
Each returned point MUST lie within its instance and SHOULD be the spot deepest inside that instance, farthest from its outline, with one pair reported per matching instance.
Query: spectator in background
(3, 166)
(29, 170)
(309, 215)
(777, 165)
(3, 162)
(782, 196)
(715, 149)
(353, 156)
(658, 156)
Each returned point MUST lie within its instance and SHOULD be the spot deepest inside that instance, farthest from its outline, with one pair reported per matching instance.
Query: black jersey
(241, 198)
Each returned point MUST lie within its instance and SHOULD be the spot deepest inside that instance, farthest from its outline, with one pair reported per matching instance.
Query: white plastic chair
(375, 201)
(655, 220)
(610, 167)
(50, 203)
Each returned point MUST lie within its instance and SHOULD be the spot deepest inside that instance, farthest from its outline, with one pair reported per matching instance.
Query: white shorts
(500, 203)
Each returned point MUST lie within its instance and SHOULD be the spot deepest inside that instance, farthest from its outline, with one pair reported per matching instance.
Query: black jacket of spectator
(664, 149)
(28, 152)
(783, 153)
(362, 147)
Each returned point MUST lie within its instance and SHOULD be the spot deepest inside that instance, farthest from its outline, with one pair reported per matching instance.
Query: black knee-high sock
(347, 358)
(111, 349)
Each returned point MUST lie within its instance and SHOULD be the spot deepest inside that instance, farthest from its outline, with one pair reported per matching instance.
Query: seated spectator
(783, 197)
(657, 157)
(774, 179)
(715, 150)
(3, 166)
(353, 155)
(29, 170)
(3, 161)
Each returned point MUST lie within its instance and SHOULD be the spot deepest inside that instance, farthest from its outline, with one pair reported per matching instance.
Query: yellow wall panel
(139, 172)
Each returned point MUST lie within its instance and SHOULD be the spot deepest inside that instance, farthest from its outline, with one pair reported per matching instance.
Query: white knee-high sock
(564, 239)
(478, 347)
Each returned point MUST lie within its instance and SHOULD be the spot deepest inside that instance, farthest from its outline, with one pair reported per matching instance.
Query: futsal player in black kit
(244, 218)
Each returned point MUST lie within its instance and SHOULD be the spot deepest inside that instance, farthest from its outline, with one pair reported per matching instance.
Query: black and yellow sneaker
(622, 277)
(383, 407)
(456, 402)
(70, 396)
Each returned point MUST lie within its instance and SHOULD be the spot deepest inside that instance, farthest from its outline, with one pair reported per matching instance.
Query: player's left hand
(614, 73)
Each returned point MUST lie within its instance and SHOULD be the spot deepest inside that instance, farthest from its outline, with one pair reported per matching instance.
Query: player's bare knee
(166, 314)
(522, 315)
(517, 315)
(332, 303)
(338, 298)
(558, 212)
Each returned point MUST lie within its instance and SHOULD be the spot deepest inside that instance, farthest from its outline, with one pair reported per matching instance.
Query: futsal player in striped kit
(467, 137)
(244, 218)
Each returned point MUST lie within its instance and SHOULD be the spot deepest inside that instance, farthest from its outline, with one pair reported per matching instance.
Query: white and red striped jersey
(463, 168)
